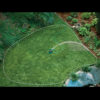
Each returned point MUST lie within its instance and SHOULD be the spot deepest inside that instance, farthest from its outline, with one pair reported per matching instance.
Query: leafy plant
(91, 46)
(98, 53)
(86, 68)
(94, 22)
(1, 44)
(9, 39)
(82, 22)
(74, 77)
(43, 18)
(39, 18)
(93, 13)
(92, 34)
(74, 20)
(74, 14)
(7, 33)
(83, 31)
(86, 15)
(88, 26)
(86, 39)
(96, 42)
(69, 18)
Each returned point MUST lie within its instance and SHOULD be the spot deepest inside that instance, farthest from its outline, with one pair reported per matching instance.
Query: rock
(96, 74)
(76, 26)
(70, 83)
(84, 79)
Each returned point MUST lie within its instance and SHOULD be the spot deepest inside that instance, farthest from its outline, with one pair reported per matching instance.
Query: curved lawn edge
(25, 38)
(65, 42)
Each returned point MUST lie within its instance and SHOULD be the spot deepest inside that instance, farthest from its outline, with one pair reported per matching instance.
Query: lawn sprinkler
(50, 51)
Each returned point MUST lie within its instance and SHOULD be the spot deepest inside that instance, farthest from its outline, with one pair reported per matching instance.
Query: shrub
(39, 18)
(86, 15)
(88, 26)
(93, 13)
(92, 34)
(98, 63)
(1, 44)
(9, 39)
(69, 18)
(98, 53)
(74, 20)
(91, 46)
(7, 34)
(86, 39)
(43, 18)
(86, 68)
(74, 77)
(96, 42)
(94, 22)
(74, 14)
(83, 31)
(83, 23)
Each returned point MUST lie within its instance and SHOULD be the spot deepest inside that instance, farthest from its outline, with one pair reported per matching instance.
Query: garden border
(75, 34)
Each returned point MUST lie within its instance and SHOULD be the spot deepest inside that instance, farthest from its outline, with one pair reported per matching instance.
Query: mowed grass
(29, 61)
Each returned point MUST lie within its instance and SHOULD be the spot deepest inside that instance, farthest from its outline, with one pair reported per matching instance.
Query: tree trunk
(98, 23)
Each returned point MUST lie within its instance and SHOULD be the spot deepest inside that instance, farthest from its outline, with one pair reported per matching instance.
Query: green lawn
(29, 61)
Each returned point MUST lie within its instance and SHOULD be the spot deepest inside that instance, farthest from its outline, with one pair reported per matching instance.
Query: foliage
(74, 14)
(74, 77)
(92, 34)
(94, 22)
(43, 18)
(88, 26)
(8, 36)
(83, 31)
(93, 13)
(98, 63)
(9, 39)
(98, 53)
(1, 54)
(69, 18)
(19, 17)
(1, 44)
(91, 46)
(39, 18)
(74, 20)
(86, 15)
(86, 68)
(82, 22)
(96, 42)
(87, 39)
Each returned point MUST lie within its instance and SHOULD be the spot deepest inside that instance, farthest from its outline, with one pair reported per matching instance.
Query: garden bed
(90, 45)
